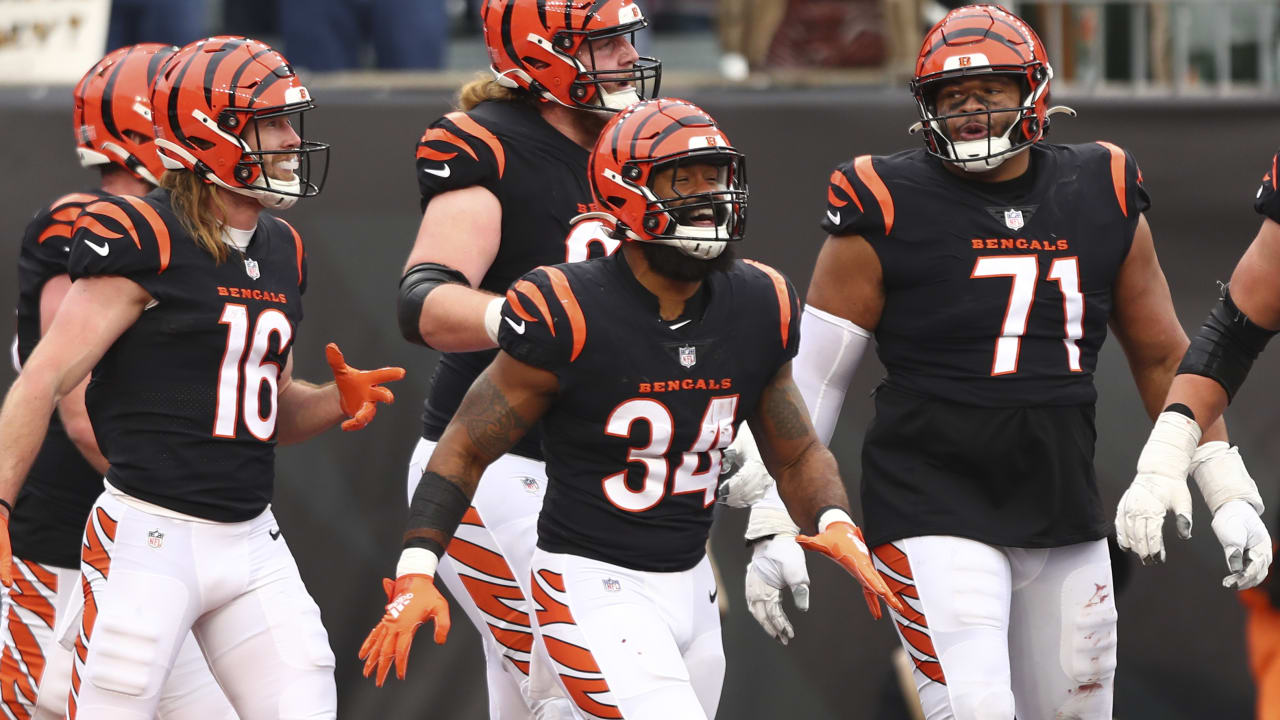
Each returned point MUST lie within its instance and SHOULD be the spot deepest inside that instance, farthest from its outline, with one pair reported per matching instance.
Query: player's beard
(670, 262)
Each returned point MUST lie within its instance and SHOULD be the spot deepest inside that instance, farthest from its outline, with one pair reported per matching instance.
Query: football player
(988, 266)
(113, 132)
(184, 305)
(501, 179)
(1215, 366)
(640, 367)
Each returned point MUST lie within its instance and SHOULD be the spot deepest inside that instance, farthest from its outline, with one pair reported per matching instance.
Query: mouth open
(702, 217)
(973, 130)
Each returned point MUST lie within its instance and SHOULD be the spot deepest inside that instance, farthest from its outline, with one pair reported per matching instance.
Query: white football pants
(486, 570)
(630, 644)
(35, 668)
(1000, 632)
(152, 579)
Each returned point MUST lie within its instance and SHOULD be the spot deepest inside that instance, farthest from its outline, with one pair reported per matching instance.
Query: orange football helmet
(112, 113)
(668, 134)
(533, 44)
(975, 40)
(207, 100)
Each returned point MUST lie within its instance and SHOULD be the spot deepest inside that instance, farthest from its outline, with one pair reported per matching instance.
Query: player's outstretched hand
(6, 552)
(776, 563)
(360, 391)
(413, 600)
(1158, 488)
(1246, 543)
(842, 542)
(743, 477)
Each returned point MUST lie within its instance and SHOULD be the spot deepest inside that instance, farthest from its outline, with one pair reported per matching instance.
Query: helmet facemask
(697, 222)
(256, 167)
(589, 88)
(989, 152)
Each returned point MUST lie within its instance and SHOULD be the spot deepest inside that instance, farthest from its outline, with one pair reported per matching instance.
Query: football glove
(412, 600)
(842, 541)
(776, 563)
(1233, 498)
(1158, 488)
(359, 391)
(743, 477)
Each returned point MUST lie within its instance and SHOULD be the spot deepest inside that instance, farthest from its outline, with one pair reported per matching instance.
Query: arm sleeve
(1267, 201)
(832, 350)
(536, 327)
(457, 152)
(124, 237)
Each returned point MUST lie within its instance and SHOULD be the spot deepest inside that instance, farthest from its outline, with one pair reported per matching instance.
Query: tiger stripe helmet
(112, 115)
(657, 135)
(533, 44)
(975, 40)
(207, 100)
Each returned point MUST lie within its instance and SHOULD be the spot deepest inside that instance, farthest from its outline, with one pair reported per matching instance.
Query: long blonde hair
(199, 208)
(484, 87)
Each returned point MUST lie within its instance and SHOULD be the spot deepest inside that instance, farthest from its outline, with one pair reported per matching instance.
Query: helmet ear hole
(631, 172)
(651, 224)
(228, 120)
(243, 173)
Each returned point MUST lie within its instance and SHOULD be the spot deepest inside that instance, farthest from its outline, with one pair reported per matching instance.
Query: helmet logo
(956, 62)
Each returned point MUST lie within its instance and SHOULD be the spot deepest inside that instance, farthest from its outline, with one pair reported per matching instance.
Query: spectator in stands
(329, 35)
(172, 22)
(746, 29)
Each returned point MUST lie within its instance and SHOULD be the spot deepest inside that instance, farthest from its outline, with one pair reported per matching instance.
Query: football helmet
(533, 44)
(655, 136)
(112, 113)
(207, 100)
(976, 40)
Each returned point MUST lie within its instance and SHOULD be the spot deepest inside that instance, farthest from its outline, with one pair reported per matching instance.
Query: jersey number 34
(715, 434)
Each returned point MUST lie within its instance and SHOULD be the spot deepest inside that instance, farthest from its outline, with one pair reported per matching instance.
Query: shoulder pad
(1126, 182)
(458, 152)
(301, 252)
(858, 201)
(119, 235)
(543, 322)
(786, 305)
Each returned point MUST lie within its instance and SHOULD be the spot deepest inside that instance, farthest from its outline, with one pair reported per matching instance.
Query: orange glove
(413, 601)
(843, 542)
(359, 391)
(6, 552)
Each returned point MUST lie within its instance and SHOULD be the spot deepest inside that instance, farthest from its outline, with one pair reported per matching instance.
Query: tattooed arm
(506, 400)
(805, 470)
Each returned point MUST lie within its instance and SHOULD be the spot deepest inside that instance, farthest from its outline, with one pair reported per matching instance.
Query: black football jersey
(997, 297)
(633, 440)
(540, 178)
(49, 516)
(1267, 201)
(184, 403)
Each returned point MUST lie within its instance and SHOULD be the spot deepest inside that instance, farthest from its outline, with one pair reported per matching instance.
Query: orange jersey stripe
(443, 135)
(868, 175)
(839, 180)
(532, 292)
(92, 225)
(1117, 175)
(297, 244)
(81, 199)
(119, 215)
(56, 230)
(108, 525)
(479, 558)
(784, 302)
(158, 227)
(514, 301)
(577, 322)
(465, 122)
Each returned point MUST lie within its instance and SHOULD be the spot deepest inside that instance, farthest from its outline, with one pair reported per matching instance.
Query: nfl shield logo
(530, 484)
(1013, 219)
(251, 267)
(611, 585)
(155, 539)
(688, 356)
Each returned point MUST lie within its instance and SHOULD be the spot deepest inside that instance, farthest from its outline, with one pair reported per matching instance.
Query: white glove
(776, 563)
(743, 477)
(1159, 487)
(1245, 542)
(1233, 498)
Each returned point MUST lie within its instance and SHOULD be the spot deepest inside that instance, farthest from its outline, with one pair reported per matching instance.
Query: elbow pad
(1226, 346)
(417, 283)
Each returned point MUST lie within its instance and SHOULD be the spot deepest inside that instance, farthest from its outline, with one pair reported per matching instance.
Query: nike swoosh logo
(443, 172)
(518, 328)
(833, 217)
(681, 324)
(275, 534)
(102, 249)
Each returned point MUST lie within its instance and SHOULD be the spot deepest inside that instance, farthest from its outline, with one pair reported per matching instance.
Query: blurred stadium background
(1189, 86)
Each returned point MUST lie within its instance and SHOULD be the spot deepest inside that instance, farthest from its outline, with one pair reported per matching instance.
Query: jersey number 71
(1025, 271)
